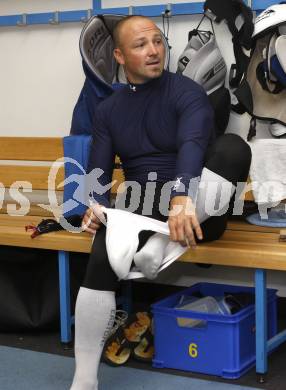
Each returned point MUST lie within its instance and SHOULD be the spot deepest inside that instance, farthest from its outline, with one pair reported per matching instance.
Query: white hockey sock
(94, 317)
(213, 189)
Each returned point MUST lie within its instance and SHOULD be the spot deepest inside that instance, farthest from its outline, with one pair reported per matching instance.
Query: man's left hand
(183, 221)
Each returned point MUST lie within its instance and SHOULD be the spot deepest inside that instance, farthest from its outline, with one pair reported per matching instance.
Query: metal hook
(168, 11)
(86, 18)
(55, 20)
(130, 10)
(23, 21)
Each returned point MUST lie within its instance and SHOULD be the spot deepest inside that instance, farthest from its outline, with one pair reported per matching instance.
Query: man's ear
(119, 56)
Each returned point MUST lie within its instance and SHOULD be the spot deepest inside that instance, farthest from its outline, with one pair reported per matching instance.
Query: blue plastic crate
(223, 346)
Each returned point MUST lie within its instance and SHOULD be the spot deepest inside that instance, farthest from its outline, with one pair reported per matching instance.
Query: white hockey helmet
(271, 17)
(271, 72)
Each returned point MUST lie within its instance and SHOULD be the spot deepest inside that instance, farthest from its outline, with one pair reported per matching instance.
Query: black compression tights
(229, 157)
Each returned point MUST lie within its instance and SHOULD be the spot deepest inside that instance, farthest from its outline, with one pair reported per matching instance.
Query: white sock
(150, 259)
(212, 188)
(94, 317)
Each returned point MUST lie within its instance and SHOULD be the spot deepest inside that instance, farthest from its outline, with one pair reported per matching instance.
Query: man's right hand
(90, 222)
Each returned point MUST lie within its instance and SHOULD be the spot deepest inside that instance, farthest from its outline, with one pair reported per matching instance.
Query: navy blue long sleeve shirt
(163, 126)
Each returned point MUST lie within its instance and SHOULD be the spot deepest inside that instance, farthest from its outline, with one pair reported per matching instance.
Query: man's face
(142, 51)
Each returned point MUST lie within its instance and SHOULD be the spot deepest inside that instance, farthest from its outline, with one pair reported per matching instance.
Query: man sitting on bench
(161, 126)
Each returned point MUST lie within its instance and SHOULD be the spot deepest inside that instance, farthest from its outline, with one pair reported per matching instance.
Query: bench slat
(31, 148)
(247, 237)
(12, 233)
(33, 209)
(56, 241)
(244, 226)
(20, 221)
(238, 257)
(235, 248)
(259, 252)
(37, 176)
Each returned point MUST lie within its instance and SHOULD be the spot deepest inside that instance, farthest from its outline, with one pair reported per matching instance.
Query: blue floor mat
(27, 370)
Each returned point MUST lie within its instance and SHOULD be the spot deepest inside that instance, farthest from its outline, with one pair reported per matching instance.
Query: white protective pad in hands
(122, 230)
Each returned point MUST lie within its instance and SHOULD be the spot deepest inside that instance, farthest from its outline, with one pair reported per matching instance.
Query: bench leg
(64, 289)
(261, 324)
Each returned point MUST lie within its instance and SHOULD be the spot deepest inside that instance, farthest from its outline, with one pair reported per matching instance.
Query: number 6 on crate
(193, 350)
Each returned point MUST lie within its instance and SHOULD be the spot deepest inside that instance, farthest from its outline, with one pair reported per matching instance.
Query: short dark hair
(120, 24)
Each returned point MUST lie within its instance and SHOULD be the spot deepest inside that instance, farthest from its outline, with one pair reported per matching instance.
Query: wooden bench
(242, 245)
